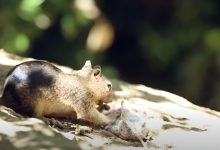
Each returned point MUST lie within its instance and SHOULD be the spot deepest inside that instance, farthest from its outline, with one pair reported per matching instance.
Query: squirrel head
(98, 84)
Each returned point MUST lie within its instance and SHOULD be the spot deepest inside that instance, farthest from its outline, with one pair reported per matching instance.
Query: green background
(169, 45)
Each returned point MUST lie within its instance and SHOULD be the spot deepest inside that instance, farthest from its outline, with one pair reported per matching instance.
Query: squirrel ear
(96, 70)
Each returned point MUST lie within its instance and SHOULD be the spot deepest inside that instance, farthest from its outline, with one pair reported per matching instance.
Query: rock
(143, 117)
(17, 132)
(169, 120)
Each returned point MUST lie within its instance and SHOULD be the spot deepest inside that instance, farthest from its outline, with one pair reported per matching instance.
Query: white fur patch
(20, 74)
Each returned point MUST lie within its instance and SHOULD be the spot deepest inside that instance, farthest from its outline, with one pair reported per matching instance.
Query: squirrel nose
(109, 85)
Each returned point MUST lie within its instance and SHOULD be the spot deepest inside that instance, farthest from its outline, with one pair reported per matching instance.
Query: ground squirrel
(40, 89)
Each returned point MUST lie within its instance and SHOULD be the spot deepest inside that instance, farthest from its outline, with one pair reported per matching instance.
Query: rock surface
(144, 118)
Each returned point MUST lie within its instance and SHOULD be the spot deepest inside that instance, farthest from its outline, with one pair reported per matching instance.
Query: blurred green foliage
(171, 45)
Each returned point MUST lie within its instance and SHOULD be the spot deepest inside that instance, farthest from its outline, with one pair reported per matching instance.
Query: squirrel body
(40, 89)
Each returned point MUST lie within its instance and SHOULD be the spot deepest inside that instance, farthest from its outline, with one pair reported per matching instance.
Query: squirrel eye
(97, 72)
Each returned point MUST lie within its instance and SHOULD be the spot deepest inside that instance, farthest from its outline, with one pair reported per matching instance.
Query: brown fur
(46, 91)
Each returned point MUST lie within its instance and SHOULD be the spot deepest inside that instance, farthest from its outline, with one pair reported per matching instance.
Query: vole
(40, 89)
